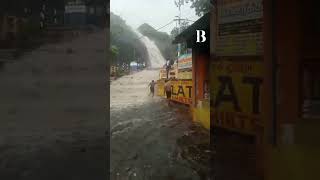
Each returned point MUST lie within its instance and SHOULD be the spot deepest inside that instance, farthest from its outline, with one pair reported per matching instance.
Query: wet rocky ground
(149, 139)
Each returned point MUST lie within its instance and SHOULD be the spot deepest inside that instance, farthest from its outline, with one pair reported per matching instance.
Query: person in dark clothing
(152, 85)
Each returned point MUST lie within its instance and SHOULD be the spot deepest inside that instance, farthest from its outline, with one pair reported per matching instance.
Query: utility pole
(179, 3)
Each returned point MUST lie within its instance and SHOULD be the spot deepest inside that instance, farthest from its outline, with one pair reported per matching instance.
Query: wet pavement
(151, 141)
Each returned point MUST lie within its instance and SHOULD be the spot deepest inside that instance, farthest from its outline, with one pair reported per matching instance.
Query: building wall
(201, 105)
(295, 153)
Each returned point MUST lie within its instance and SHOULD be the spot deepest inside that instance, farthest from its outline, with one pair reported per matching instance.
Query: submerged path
(147, 137)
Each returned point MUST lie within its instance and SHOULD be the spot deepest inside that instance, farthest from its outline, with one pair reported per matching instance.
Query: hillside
(161, 39)
(124, 42)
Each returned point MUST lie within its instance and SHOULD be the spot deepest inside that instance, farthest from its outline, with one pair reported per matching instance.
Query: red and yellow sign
(185, 61)
(236, 93)
(182, 91)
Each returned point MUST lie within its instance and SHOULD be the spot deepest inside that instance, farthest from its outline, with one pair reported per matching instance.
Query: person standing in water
(168, 91)
(152, 85)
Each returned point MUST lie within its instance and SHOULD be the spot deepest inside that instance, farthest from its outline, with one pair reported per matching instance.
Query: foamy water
(132, 90)
(154, 55)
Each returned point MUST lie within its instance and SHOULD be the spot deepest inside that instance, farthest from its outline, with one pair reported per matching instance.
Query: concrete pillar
(288, 49)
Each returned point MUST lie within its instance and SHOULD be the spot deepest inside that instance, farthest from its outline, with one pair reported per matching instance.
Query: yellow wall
(294, 162)
(300, 160)
(202, 114)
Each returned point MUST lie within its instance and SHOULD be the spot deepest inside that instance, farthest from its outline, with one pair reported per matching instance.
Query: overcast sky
(157, 13)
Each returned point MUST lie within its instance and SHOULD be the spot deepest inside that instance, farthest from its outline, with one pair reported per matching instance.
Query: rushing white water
(154, 55)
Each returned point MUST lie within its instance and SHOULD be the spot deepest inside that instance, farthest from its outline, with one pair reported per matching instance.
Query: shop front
(200, 104)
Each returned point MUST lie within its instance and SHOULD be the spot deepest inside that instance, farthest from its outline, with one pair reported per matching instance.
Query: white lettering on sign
(201, 34)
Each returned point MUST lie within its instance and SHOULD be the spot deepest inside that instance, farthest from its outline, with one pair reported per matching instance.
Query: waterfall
(156, 60)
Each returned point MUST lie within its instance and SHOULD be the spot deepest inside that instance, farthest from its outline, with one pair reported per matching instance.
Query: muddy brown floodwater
(149, 140)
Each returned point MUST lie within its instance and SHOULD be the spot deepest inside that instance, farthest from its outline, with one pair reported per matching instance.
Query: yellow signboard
(185, 75)
(181, 90)
(160, 88)
(236, 92)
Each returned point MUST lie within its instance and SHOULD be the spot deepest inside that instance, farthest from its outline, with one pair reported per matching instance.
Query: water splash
(155, 57)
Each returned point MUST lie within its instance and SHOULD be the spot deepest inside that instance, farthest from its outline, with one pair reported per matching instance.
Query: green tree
(127, 42)
(114, 53)
(201, 6)
(176, 30)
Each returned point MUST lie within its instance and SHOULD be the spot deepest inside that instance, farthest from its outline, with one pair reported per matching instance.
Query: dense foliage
(125, 46)
(176, 31)
(201, 6)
